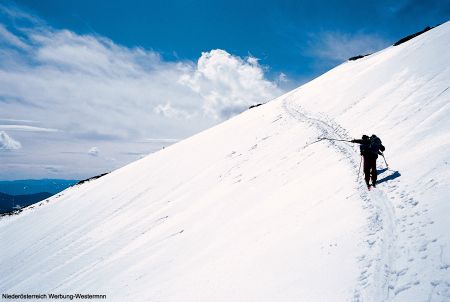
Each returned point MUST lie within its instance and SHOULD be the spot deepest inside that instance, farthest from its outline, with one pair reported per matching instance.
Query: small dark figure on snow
(370, 147)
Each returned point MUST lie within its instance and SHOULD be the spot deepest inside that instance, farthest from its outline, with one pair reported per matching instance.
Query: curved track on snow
(379, 278)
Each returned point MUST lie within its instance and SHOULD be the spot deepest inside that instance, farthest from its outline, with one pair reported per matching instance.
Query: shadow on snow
(392, 176)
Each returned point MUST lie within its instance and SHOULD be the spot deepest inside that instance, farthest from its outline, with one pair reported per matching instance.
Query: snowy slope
(250, 210)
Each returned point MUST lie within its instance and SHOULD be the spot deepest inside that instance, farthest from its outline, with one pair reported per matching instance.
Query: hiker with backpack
(370, 147)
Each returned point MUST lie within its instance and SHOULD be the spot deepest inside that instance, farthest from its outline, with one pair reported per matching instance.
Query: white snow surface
(250, 210)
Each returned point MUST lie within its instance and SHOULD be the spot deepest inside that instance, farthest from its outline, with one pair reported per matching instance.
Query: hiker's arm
(382, 148)
(358, 141)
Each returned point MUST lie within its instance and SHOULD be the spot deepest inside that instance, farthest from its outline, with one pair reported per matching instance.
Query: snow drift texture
(250, 210)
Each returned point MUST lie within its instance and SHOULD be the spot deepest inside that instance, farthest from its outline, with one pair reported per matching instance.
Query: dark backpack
(374, 145)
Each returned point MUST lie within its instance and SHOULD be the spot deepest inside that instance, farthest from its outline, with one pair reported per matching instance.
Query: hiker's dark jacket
(369, 150)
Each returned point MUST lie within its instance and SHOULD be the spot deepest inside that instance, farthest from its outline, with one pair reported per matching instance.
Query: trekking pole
(334, 139)
(387, 166)
(359, 168)
(330, 139)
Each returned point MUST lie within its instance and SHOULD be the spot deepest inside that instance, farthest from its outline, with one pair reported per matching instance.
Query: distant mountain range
(32, 186)
(10, 203)
(18, 194)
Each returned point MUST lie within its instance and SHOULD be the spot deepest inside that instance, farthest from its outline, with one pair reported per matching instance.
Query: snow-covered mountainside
(250, 210)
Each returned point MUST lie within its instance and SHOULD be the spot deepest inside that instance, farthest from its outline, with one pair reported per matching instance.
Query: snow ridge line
(373, 281)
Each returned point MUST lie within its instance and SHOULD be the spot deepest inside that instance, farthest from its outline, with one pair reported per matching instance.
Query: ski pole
(387, 166)
(330, 139)
(334, 139)
(359, 168)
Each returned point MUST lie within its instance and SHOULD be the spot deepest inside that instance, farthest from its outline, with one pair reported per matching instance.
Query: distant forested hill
(32, 186)
(10, 203)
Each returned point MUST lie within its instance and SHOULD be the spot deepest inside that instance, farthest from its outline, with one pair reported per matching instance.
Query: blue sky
(280, 33)
(88, 86)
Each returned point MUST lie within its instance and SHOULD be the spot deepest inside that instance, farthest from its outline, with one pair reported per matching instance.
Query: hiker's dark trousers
(370, 169)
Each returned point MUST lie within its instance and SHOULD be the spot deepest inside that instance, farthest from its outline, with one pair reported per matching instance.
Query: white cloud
(229, 84)
(17, 14)
(338, 46)
(94, 151)
(8, 143)
(26, 128)
(282, 78)
(8, 120)
(86, 84)
(160, 140)
(167, 110)
(90, 91)
(8, 37)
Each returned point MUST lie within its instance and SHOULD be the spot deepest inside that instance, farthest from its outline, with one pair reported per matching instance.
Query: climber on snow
(370, 147)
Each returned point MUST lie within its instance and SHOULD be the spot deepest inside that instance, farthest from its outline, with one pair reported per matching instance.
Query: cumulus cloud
(8, 143)
(94, 151)
(336, 46)
(229, 84)
(85, 84)
(88, 90)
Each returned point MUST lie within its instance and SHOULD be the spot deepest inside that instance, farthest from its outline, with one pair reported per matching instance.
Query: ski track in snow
(394, 225)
